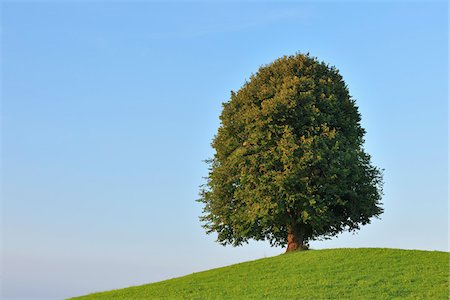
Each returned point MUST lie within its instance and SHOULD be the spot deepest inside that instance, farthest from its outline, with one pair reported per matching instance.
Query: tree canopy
(289, 164)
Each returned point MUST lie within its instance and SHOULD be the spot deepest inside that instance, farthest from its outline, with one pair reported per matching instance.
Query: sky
(109, 108)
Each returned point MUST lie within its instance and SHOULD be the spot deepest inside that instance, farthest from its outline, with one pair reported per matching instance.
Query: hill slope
(315, 274)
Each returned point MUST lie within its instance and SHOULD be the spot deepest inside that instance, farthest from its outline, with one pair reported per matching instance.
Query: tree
(289, 165)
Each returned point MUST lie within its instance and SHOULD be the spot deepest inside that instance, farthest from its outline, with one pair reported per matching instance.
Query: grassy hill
(314, 274)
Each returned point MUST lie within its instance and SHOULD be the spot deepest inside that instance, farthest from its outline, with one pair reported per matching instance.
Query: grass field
(315, 274)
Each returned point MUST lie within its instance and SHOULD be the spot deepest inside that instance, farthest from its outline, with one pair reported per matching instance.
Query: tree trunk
(296, 238)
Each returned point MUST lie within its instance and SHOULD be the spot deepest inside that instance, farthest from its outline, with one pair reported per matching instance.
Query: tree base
(296, 243)
(296, 247)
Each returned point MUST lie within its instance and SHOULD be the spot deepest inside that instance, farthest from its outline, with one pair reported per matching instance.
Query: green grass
(314, 274)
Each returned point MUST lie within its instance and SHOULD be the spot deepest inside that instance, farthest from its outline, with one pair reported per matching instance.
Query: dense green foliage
(316, 274)
(289, 159)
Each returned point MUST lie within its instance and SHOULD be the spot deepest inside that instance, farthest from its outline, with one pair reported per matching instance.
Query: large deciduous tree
(290, 166)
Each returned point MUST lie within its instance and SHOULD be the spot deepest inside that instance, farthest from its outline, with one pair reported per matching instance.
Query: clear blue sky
(109, 109)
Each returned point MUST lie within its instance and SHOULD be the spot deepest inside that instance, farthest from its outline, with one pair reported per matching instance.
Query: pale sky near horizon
(108, 110)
